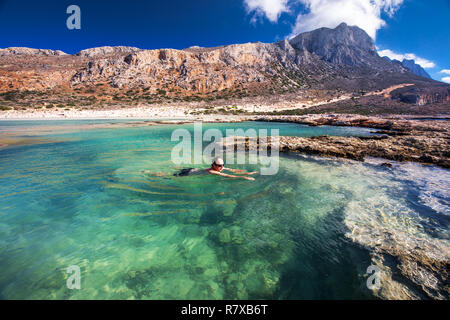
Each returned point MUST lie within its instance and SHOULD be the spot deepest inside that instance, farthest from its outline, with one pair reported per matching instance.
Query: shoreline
(401, 137)
(187, 112)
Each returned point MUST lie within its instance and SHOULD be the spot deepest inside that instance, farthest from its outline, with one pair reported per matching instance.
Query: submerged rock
(271, 280)
(241, 292)
(236, 235)
(193, 216)
(413, 265)
(225, 236)
(229, 208)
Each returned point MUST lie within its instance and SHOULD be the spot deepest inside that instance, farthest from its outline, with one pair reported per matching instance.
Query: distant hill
(412, 66)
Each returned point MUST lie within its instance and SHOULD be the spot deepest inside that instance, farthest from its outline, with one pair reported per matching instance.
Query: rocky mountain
(412, 66)
(415, 68)
(310, 60)
(105, 51)
(321, 64)
(30, 51)
(343, 45)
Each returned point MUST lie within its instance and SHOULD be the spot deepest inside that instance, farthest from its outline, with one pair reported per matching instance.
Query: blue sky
(400, 28)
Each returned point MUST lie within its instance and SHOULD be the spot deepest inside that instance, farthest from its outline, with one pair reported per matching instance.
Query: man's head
(217, 164)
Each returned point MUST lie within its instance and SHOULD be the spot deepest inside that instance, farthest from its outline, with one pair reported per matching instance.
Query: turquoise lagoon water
(81, 198)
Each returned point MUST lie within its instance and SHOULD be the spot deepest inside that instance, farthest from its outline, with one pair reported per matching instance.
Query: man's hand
(240, 171)
(230, 175)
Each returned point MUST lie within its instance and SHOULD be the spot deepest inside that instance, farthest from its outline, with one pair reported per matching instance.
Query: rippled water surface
(82, 198)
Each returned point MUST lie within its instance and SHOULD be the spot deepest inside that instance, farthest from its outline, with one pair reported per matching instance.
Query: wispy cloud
(272, 9)
(446, 79)
(445, 71)
(424, 63)
(365, 14)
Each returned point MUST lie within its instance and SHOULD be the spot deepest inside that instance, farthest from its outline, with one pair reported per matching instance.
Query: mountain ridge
(325, 63)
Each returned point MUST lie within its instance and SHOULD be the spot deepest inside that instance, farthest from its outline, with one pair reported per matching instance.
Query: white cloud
(272, 9)
(446, 71)
(390, 6)
(424, 63)
(365, 14)
(446, 79)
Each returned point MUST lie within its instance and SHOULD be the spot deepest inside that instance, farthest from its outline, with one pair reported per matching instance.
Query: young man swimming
(216, 168)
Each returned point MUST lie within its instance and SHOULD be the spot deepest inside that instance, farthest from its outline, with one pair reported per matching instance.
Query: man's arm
(229, 175)
(239, 171)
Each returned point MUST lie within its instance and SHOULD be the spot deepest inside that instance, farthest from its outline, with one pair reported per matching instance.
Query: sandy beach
(119, 113)
(168, 111)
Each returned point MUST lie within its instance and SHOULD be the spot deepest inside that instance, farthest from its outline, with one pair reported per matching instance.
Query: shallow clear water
(82, 199)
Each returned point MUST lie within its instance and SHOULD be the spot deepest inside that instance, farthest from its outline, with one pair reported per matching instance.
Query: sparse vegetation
(368, 105)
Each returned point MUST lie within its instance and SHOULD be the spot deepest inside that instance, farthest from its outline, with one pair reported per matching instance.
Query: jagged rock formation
(343, 45)
(201, 71)
(399, 140)
(423, 96)
(105, 51)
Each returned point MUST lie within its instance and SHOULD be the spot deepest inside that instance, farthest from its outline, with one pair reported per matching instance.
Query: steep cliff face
(199, 70)
(423, 96)
(343, 45)
(155, 69)
(24, 69)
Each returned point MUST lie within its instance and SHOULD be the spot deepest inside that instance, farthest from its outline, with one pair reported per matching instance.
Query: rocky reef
(397, 139)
